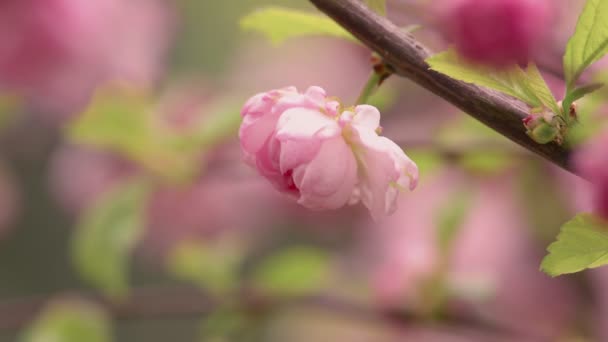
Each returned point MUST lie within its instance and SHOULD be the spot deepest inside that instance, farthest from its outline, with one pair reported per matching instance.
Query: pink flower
(591, 161)
(496, 32)
(325, 157)
(55, 52)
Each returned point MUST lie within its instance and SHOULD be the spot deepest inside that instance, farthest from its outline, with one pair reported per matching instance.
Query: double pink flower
(307, 146)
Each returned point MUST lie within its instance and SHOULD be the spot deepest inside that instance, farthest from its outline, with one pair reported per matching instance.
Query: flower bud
(543, 127)
(496, 32)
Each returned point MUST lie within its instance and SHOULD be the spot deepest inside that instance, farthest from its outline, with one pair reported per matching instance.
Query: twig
(407, 56)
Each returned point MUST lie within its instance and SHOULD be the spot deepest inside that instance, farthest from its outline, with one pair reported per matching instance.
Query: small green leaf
(294, 271)
(540, 89)
(69, 321)
(582, 243)
(378, 6)
(106, 235)
(280, 24)
(526, 85)
(212, 266)
(589, 42)
(578, 93)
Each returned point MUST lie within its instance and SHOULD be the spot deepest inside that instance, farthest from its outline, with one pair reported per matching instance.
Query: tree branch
(407, 56)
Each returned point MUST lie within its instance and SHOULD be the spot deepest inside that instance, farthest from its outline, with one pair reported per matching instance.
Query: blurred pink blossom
(492, 269)
(591, 161)
(79, 175)
(200, 210)
(55, 52)
(324, 157)
(496, 32)
(205, 210)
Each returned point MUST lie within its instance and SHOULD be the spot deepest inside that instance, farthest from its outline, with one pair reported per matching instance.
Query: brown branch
(407, 56)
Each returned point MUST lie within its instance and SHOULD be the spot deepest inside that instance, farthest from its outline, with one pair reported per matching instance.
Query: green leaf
(578, 93)
(582, 243)
(106, 235)
(540, 89)
(69, 321)
(526, 85)
(212, 266)
(378, 6)
(589, 42)
(293, 271)
(280, 24)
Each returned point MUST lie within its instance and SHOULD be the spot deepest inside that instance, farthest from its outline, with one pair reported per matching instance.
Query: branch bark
(407, 56)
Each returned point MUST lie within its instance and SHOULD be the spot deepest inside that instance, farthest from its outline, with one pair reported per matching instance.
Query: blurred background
(126, 213)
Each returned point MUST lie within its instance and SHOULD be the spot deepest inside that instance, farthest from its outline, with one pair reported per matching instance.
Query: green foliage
(226, 324)
(70, 321)
(589, 42)
(378, 6)
(581, 244)
(480, 149)
(106, 235)
(10, 106)
(279, 24)
(450, 220)
(211, 266)
(526, 85)
(293, 271)
(116, 121)
(221, 123)
(590, 118)
(126, 123)
(427, 160)
(132, 125)
(486, 162)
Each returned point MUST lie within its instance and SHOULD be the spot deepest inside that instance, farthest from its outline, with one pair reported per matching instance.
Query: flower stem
(370, 87)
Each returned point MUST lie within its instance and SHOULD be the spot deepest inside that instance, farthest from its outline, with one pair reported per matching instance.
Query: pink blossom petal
(328, 181)
(296, 153)
(302, 123)
(384, 169)
(255, 131)
(367, 116)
